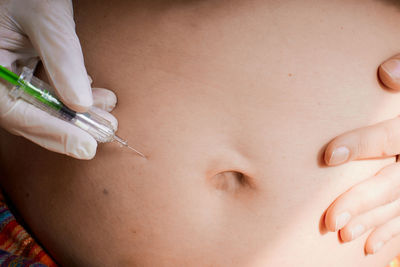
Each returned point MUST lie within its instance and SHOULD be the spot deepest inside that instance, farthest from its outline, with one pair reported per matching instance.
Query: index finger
(376, 141)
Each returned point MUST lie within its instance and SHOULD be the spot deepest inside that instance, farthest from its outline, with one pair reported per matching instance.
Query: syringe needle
(137, 152)
(125, 144)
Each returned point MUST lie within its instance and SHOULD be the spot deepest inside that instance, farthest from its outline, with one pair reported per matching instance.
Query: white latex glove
(45, 29)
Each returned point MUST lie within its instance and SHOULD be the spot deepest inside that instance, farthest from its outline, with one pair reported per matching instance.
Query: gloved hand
(375, 202)
(44, 29)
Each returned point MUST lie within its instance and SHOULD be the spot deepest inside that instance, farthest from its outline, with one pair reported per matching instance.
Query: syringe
(40, 94)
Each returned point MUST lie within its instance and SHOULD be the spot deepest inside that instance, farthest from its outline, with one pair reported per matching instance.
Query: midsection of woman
(232, 102)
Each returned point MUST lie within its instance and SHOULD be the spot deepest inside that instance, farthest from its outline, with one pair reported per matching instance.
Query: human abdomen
(249, 87)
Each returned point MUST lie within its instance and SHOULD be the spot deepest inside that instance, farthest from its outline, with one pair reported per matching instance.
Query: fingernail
(392, 68)
(111, 101)
(377, 247)
(339, 155)
(341, 220)
(357, 231)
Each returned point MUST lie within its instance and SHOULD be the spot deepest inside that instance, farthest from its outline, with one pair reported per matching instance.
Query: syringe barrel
(42, 95)
(97, 126)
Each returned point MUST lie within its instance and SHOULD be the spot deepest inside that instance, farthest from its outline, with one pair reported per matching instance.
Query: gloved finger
(104, 99)
(378, 140)
(90, 79)
(376, 191)
(7, 58)
(51, 29)
(389, 72)
(49, 132)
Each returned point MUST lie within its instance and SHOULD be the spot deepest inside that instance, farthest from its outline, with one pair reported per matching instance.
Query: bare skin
(233, 103)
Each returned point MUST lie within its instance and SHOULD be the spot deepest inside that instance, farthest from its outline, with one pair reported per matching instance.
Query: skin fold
(233, 103)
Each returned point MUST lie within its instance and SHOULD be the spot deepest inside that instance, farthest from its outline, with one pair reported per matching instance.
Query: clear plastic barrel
(100, 128)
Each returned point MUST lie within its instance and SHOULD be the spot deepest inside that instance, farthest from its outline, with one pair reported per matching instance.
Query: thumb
(389, 72)
(52, 33)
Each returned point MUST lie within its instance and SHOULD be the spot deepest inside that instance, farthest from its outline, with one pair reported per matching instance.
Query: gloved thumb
(51, 28)
(389, 72)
